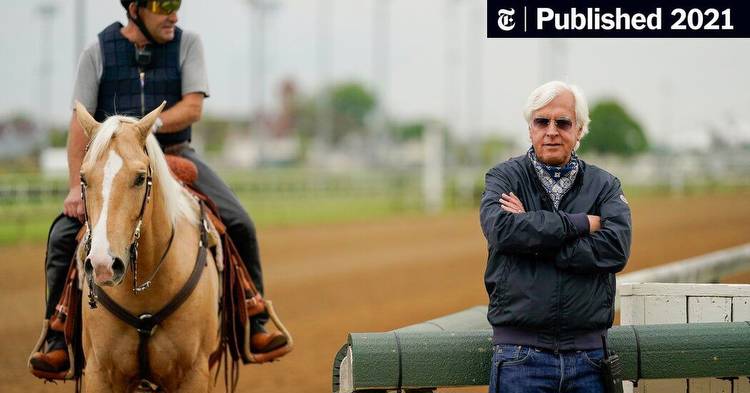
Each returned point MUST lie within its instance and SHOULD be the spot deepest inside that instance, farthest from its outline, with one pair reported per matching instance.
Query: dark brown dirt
(329, 280)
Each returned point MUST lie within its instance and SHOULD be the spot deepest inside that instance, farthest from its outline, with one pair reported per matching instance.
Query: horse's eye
(139, 179)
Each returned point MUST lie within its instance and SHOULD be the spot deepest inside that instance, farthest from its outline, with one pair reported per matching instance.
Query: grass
(273, 197)
(29, 222)
(274, 212)
(285, 197)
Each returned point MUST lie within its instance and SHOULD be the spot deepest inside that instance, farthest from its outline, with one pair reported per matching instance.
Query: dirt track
(330, 280)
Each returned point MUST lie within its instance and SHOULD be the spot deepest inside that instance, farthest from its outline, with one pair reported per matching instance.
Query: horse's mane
(176, 199)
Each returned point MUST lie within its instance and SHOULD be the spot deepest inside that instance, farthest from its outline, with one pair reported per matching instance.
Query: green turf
(29, 222)
(285, 197)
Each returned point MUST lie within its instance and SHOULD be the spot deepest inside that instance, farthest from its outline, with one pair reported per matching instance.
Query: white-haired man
(558, 229)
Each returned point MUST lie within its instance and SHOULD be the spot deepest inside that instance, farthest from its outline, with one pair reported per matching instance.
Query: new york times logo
(505, 19)
(622, 20)
(631, 18)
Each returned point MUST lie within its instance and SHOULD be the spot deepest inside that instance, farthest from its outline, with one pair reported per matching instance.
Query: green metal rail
(456, 351)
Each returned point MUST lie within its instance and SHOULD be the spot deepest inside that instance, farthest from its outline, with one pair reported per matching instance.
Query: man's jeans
(517, 368)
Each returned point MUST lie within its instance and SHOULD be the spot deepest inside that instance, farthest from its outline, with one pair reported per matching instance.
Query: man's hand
(73, 205)
(511, 203)
(595, 223)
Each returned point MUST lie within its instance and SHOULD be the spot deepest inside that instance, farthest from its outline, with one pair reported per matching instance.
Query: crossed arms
(602, 247)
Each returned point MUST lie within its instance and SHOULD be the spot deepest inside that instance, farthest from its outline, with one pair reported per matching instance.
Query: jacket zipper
(540, 188)
(557, 314)
(143, 96)
(576, 185)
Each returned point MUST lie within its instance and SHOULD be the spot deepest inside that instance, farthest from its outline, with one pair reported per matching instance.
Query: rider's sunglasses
(561, 124)
(163, 7)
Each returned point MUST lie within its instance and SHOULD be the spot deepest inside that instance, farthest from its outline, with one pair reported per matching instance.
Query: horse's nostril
(118, 268)
(88, 268)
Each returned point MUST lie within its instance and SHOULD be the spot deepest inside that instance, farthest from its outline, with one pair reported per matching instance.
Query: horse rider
(557, 230)
(130, 70)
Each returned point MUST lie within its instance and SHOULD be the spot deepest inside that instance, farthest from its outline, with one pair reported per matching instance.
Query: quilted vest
(120, 90)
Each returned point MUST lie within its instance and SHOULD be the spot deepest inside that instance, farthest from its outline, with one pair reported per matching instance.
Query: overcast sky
(438, 64)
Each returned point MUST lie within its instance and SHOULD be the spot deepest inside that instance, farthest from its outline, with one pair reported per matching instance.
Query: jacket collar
(532, 172)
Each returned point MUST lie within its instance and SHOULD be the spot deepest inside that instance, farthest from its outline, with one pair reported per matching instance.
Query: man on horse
(131, 70)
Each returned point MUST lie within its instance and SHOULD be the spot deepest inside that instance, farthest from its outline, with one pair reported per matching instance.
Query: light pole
(323, 110)
(452, 87)
(554, 59)
(474, 70)
(47, 13)
(259, 10)
(380, 67)
(80, 28)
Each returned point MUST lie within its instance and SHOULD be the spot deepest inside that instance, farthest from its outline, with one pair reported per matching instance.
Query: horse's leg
(93, 375)
(96, 378)
(197, 379)
(95, 381)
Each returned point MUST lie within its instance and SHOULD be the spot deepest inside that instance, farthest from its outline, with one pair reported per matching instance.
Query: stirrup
(68, 374)
(276, 353)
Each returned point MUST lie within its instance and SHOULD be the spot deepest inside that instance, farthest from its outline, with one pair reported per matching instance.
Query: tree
(614, 131)
(216, 130)
(351, 103)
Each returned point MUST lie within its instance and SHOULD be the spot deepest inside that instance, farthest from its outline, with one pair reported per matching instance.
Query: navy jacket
(550, 285)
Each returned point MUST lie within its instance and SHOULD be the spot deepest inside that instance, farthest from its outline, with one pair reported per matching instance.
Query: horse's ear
(144, 125)
(87, 122)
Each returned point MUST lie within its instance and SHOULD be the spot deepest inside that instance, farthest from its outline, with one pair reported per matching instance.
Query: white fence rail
(652, 303)
(707, 268)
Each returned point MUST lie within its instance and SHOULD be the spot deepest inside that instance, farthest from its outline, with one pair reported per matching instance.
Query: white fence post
(433, 172)
(655, 303)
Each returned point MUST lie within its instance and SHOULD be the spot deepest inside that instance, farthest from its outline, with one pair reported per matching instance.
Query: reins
(139, 288)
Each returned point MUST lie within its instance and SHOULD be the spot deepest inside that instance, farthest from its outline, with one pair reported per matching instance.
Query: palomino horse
(142, 227)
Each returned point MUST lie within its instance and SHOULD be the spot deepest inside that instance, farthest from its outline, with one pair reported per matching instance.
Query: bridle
(133, 248)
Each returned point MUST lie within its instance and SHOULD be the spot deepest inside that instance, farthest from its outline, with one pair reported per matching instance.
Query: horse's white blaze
(99, 241)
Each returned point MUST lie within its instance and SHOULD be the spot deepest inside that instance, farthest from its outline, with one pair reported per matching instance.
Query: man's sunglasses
(561, 124)
(163, 7)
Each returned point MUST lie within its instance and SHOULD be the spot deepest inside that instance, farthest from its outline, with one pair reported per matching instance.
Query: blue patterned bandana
(557, 180)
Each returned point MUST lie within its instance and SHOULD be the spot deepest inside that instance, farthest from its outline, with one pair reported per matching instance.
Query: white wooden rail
(707, 268)
(683, 303)
(653, 303)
